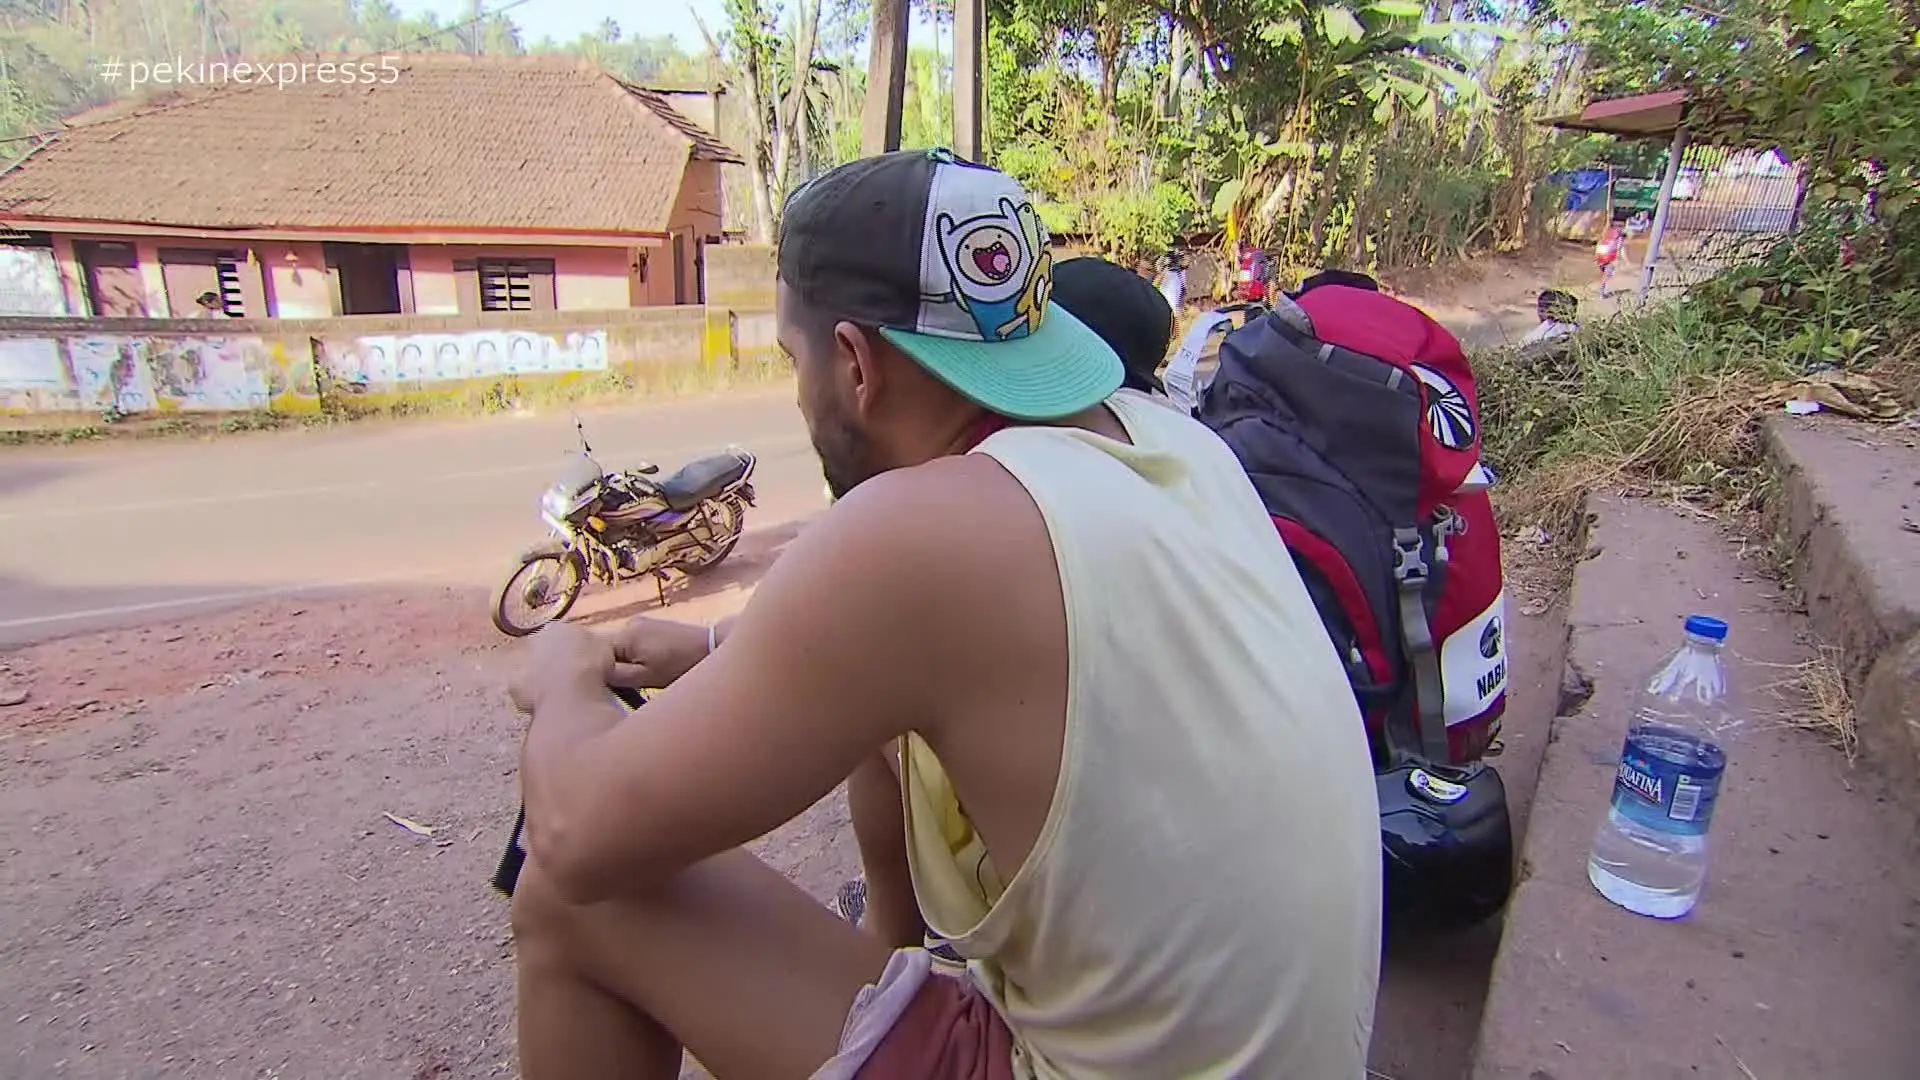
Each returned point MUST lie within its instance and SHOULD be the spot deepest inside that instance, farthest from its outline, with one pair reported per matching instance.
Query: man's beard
(846, 457)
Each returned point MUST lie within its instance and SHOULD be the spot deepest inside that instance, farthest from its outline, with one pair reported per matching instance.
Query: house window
(191, 273)
(516, 284)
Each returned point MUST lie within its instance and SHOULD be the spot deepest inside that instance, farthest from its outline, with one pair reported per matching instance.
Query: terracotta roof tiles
(453, 143)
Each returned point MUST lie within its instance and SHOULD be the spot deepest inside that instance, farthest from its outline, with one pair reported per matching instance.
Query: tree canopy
(1360, 132)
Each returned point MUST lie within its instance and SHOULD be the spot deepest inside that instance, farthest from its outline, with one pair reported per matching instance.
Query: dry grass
(1652, 400)
(1814, 698)
(1657, 401)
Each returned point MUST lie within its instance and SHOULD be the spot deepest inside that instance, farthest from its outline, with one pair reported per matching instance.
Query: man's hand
(653, 653)
(562, 659)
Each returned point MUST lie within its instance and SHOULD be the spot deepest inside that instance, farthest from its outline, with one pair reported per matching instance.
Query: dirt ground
(199, 878)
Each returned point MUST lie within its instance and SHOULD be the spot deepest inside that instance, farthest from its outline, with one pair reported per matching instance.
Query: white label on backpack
(1182, 376)
(1473, 663)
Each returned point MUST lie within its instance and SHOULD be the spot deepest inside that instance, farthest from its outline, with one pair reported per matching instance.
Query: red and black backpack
(1355, 415)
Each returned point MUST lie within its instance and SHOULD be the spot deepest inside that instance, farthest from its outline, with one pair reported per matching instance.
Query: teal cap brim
(1061, 369)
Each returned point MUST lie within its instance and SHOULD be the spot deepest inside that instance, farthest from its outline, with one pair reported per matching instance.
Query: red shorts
(916, 1024)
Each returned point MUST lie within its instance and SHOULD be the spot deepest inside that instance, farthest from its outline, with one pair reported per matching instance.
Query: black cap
(1124, 309)
(1348, 278)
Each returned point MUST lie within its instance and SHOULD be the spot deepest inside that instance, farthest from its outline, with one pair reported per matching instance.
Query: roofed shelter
(1750, 198)
(1644, 116)
(430, 185)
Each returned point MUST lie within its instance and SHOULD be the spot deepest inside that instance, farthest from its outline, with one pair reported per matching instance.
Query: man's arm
(839, 651)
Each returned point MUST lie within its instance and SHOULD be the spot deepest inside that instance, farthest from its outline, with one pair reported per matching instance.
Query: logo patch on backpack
(1490, 640)
(1473, 664)
(1449, 419)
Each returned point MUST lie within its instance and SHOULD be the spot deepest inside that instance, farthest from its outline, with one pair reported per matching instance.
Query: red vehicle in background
(1251, 276)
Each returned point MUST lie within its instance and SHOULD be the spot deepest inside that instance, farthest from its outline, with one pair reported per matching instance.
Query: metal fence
(1728, 207)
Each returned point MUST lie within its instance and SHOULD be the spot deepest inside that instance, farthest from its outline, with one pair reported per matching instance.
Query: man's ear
(859, 356)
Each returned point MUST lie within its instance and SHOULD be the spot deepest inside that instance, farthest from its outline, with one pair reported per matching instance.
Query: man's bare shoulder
(939, 550)
(952, 506)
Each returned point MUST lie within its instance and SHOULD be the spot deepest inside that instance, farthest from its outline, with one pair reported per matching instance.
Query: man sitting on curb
(1133, 318)
(1025, 635)
(1559, 317)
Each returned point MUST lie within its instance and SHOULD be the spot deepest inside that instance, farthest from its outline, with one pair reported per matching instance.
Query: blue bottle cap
(1707, 627)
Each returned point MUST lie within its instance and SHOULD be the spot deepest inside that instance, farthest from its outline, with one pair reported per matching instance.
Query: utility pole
(886, 78)
(476, 26)
(969, 48)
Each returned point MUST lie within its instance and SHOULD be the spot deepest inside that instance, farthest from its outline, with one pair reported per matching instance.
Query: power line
(474, 21)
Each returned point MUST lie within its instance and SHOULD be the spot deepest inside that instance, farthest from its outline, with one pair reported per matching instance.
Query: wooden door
(115, 287)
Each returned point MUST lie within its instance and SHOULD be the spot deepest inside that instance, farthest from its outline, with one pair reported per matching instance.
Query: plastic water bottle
(1650, 855)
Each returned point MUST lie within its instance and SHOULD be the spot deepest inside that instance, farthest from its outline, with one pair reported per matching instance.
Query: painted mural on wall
(400, 358)
(33, 376)
(142, 374)
(133, 374)
(30, 282)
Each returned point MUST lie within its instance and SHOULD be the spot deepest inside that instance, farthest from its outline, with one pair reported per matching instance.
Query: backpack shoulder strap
(1183, 369)
(1414, 578)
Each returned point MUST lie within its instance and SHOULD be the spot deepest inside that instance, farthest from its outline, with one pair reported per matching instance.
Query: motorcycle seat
(702, 479)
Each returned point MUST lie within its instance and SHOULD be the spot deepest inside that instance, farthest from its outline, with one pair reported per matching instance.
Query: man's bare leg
(729, 960)
(880, 828)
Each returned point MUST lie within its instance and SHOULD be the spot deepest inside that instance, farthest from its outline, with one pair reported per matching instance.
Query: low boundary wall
(51, 367)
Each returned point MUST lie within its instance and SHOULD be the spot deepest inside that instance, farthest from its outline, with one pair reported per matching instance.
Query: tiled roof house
(435, 185)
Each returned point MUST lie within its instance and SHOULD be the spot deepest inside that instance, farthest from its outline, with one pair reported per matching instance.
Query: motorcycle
(622, 526)
(1251, 271)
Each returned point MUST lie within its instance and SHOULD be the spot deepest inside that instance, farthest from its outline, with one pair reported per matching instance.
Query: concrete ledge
(1846, 514)
(1803, 958)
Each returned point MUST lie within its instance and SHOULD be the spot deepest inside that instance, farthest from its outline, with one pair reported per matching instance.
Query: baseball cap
(949, 260)
(1122, 307)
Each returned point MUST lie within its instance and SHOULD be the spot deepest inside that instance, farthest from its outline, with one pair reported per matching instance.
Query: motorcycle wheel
(546, 583)
(725, 520)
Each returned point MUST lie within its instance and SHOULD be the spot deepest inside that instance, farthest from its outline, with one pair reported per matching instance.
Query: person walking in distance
(1173, 284)
(1606, 255)
(950, 642)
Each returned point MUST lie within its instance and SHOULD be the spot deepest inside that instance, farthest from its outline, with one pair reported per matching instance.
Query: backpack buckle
(1408, 566)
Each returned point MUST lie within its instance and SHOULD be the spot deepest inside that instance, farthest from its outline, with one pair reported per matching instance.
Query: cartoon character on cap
(1001, 269)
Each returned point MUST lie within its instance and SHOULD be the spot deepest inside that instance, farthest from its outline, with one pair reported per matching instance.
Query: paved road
(98, 536)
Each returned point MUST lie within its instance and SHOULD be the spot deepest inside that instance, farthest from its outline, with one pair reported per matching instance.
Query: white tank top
(1204, 897)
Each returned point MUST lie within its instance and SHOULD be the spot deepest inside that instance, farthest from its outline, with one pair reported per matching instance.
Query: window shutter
(233, 299)
(515, 284)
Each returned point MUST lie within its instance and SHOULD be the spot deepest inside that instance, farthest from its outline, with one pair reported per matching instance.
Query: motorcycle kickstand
(660, 586)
